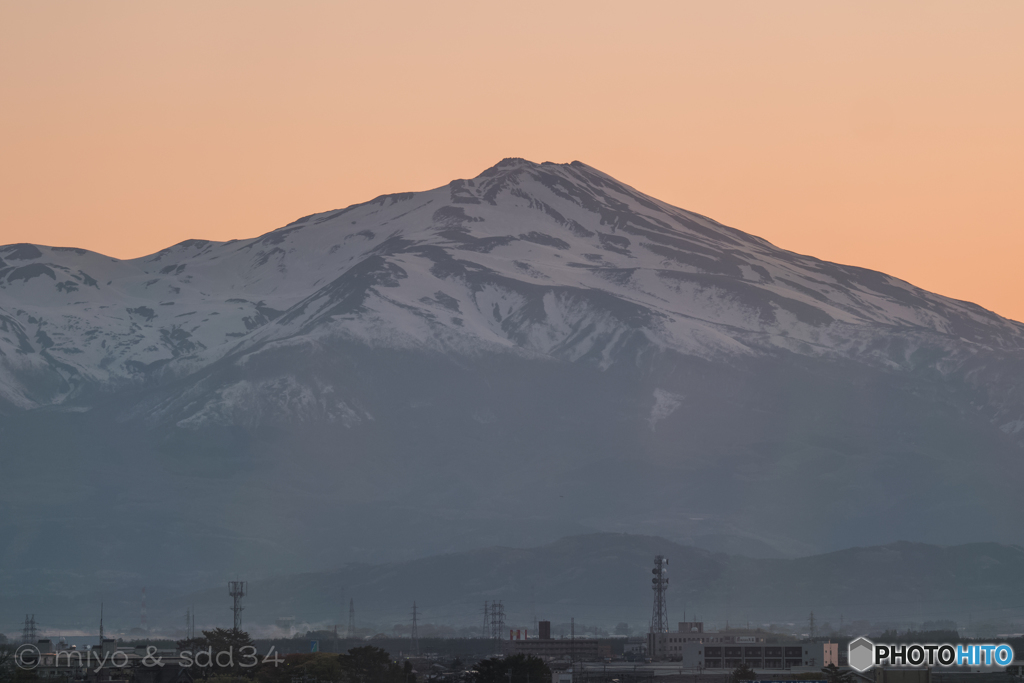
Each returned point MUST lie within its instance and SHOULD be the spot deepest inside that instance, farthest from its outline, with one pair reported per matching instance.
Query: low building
(548, 648)
(573, 649)
(696, 648)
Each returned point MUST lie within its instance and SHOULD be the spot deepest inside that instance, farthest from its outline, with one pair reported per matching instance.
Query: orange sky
(883, 134)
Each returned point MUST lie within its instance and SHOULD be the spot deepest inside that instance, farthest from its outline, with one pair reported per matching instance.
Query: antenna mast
(659, 615)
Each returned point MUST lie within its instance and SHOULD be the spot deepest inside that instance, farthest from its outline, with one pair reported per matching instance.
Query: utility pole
(237, 590)
(415, 632)
(572, 643)
(533, 608)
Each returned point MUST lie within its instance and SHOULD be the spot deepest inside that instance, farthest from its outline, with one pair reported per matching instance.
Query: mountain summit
(536, 351)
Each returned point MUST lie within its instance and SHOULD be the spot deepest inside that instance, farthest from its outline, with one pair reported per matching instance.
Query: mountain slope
(536, 351)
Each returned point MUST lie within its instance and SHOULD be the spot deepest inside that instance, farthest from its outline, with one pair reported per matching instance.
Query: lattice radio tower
(351, 618)
(237, 590)
(659, 615)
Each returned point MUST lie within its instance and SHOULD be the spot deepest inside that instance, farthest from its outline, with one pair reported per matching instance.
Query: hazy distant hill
(605, 579)
(535, 352)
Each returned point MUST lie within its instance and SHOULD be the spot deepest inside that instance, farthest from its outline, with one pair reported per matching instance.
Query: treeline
(463, 648)
(230, 656)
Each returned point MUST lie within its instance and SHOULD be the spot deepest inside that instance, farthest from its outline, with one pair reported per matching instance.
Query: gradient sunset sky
(888, 135)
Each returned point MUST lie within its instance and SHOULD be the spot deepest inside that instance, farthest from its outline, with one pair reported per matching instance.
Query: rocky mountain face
(538, 351)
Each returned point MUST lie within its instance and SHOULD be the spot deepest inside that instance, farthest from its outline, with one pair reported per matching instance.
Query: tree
(321, 666)
(369, 664)
(515, 669)
(833, 674)
(205, 651)
(9, 672)
(742, 673)
(6, 663)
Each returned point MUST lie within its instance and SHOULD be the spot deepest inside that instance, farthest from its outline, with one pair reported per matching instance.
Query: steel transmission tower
(497, 620)
(237, 591)
(415, 632)
(659, 615)
(351, 618)
(28, 634)
(487, 619)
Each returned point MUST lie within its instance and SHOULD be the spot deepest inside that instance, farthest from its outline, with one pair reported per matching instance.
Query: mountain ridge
(602, 579)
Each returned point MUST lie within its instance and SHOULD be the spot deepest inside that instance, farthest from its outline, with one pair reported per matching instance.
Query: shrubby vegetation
(514, 669)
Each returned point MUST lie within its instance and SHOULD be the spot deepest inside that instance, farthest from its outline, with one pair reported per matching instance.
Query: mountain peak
(519, 163)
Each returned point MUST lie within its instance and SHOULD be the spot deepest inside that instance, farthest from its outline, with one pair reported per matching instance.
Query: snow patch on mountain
(254, 403)
(665, 403)
(551, 260)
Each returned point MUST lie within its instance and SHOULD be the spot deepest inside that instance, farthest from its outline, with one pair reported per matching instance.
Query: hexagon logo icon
(861, 654)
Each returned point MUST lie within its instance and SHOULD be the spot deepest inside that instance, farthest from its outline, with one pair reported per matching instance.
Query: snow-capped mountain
(539, 328)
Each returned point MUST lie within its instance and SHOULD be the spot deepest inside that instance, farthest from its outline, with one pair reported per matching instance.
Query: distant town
(494, 652)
